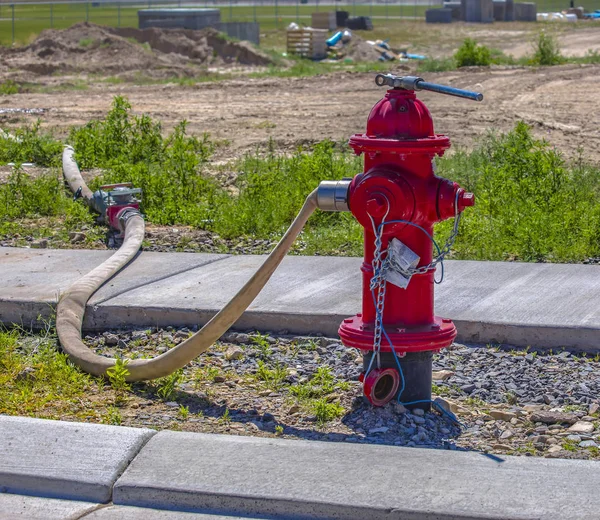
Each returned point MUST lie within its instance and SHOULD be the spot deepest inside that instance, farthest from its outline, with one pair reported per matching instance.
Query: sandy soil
(555, 101)
(575, 43)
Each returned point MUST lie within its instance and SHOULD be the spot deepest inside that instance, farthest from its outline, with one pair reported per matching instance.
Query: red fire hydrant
(397, 200)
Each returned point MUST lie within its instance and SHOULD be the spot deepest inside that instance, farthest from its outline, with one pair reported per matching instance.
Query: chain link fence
(20, 22)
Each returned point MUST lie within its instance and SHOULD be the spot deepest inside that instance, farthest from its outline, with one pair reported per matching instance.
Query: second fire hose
(71, 307)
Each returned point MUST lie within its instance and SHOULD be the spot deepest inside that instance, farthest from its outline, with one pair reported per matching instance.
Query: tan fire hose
(71, 307)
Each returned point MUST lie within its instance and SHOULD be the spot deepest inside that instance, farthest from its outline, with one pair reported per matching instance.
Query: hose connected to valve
(71, 307)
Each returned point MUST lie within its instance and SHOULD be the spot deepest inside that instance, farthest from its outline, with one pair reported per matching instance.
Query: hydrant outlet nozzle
(465, 200)
(333, 195)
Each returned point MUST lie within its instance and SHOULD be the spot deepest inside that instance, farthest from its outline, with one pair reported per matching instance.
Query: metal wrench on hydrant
(398, 199)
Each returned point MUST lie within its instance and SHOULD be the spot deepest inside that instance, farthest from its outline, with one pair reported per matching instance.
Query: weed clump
(471, 54)
(9, 87)
(546, 50)
(273, 187)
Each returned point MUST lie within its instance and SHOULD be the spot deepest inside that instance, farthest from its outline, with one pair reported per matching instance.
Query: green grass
(531, 205)
(35, 379)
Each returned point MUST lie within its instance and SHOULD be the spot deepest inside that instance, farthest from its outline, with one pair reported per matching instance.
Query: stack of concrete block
(525, 12)
(499, 11)
(324, 20)
(510, 11)
(480, 11)
(457, 10)
(443, 15)
(179, 18)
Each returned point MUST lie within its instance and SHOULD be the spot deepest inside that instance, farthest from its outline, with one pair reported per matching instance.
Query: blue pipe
(415, 56)
(334, 39)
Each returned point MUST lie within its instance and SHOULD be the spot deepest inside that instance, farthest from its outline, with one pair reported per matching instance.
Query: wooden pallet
(307, 42)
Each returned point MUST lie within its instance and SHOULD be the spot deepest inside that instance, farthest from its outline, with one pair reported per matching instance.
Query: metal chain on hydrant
(378, 282)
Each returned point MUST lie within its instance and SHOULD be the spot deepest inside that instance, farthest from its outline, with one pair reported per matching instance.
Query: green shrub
(24, 196)
(546, 50)
(169, 170)
(29, 144)
(117, 139)
(530, 204)
(470, 54)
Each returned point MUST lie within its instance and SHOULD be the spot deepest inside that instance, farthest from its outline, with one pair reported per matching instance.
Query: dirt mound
(91, 48)
(207, 45)
(359, 50)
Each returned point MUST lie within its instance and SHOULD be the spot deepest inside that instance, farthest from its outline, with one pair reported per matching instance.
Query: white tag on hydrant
(399, 264)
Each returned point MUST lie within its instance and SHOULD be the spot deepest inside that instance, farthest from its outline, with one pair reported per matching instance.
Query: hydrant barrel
(398, 199)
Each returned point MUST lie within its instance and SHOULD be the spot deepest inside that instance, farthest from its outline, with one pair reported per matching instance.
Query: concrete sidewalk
(264, 478)
(538, 305)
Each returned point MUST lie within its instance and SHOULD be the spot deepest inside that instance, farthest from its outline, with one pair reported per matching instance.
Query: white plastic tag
(399, 263)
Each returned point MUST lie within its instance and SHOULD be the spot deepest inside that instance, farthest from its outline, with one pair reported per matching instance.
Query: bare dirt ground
(556, 101)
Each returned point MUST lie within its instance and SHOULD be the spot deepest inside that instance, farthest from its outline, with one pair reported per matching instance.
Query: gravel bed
(182, 239)
(506, 402)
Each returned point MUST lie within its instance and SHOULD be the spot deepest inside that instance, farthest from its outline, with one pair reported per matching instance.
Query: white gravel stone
(442, 375)
(234, 353)
(502, 415)
(582, 427)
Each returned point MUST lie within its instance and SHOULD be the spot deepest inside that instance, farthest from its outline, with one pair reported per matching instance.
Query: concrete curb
(303, 479)
(74, 461)
(21, 507)
(264, 478)
(537, 305)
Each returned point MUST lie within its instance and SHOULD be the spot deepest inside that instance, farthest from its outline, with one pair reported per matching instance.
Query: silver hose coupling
(333, 195)
(125, 214)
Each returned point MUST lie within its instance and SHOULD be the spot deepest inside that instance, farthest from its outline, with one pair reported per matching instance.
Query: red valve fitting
(116, 201)
(400, 197)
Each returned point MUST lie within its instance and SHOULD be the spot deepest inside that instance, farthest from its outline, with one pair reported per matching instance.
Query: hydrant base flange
(357, 334)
